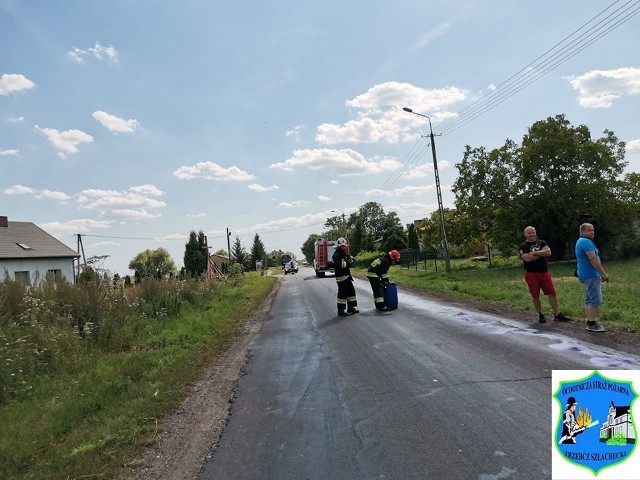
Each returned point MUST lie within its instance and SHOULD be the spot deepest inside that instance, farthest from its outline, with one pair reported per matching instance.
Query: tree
(412, 238)
(393, 239)
(308, 248)
(336, 227)
(556, 176)
(153, 263)
(373, 219)
(195, 254)
(239, 254)
(258, 251)
(358, 238)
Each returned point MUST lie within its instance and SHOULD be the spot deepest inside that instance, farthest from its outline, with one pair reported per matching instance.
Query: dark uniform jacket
(342, 263)
(380, 268)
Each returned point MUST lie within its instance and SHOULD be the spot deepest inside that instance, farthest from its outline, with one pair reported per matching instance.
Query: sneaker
(384, 309)
(594, 327)
(342, 313)
(352, 311)
(561, 318)
(541, 318)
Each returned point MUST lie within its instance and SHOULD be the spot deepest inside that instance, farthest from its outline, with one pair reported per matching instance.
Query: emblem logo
(595, 429)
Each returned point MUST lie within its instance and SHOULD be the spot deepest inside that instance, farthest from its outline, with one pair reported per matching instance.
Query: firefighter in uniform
(342, 262)
(378, 275)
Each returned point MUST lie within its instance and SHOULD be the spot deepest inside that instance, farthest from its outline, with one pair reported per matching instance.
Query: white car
(290, 267)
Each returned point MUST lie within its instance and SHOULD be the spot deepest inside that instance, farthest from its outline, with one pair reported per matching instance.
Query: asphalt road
(428, 391)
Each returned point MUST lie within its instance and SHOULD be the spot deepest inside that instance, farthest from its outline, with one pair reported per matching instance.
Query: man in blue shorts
(591, 274)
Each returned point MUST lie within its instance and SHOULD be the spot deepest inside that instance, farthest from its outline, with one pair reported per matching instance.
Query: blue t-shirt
(585, 269)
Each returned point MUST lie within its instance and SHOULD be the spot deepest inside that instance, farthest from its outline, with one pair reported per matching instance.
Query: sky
(135, 123)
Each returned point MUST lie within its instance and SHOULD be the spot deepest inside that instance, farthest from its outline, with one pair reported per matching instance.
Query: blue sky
(133, 123)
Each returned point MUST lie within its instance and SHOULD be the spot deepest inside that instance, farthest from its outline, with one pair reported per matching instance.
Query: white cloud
(67, 141)
(52, 195)
(633, 145)
(413, 211)
(380, 117)
(14, 119)
(132, 214)
(324, 198)
(174, 236)
(294, 132)
(409, 190)
(259, 188)
(432, 34)
(196, 215)
(98, 51)
(115, 124)
(19, 190)
(342, 162)
(131, 203)
(600, 88)
(288, 223)
(39, 194)
(107, 243)
(11, 83)
(147, 190)
(6, 153)
(75, 226)
(212, 171)
(299, 203)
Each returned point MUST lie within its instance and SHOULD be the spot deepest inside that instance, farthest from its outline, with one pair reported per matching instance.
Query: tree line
(157, 263)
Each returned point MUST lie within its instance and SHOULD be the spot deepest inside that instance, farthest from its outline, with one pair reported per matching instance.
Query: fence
(412, 258)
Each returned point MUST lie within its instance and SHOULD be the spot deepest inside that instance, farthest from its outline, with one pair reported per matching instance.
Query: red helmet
(394, 254)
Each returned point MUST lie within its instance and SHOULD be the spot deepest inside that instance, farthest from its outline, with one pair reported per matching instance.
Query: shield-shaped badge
(595, 429)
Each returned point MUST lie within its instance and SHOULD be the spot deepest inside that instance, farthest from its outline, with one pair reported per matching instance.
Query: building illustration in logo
(595, 400)
(619, 426)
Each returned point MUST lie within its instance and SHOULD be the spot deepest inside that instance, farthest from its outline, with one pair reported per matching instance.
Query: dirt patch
(190, 433)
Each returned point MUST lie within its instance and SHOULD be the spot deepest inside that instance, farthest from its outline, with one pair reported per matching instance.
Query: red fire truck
(322, 262)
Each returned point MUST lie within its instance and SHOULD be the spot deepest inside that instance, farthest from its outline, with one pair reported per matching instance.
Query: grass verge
(94, 413)
(505, 286)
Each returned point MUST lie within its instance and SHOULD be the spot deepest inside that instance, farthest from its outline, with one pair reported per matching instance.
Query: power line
(539, 67)
(112, 237)
(414, 156)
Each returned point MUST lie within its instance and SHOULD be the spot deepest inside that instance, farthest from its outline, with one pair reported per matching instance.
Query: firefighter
(378, 275)
(342, 262)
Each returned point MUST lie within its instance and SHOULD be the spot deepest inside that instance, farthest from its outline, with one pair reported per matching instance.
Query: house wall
(37, 268)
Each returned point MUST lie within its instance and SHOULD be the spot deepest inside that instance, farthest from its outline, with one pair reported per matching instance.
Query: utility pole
(443, 229)
(229, 244)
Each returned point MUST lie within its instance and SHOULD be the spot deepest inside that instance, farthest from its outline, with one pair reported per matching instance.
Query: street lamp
(443, 229)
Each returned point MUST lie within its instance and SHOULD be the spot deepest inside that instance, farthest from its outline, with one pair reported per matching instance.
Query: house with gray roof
(30, 255)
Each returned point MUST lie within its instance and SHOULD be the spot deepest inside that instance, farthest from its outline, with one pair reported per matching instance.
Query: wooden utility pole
(80, 248)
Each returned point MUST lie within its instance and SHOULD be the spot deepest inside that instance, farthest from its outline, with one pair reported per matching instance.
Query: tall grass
(87, 371)
(504, 285)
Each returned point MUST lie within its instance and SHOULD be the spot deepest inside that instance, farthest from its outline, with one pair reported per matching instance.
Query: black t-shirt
(539, 265)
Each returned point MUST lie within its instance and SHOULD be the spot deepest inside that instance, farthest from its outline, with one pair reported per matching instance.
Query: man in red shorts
(533, 253)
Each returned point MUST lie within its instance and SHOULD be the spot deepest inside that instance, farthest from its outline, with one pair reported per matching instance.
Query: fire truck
(322, 262)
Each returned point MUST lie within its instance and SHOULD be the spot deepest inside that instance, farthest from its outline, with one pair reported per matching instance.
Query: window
(54, 275)
(24, 246)
(22, 277)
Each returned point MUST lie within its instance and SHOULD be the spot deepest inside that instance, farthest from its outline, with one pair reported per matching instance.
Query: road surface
(428, 391)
